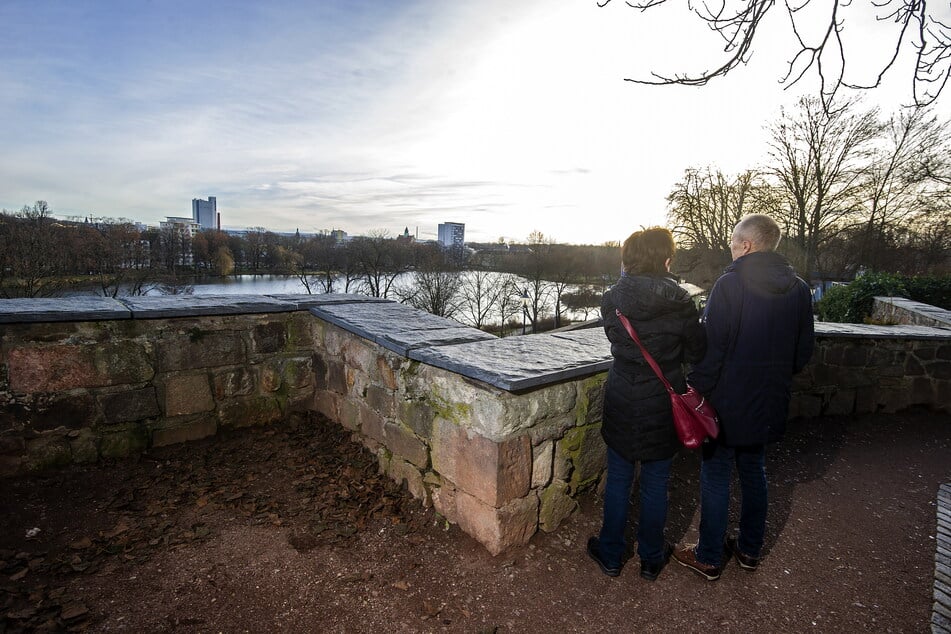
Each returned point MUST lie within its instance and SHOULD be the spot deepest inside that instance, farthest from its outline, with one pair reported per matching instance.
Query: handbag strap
(647, 355)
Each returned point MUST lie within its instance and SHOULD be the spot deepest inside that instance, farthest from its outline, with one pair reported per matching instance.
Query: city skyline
(372, 115)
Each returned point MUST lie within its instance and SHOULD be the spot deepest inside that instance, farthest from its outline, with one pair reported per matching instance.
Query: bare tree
(480, 295)
(380, 260)
(34, 255)
(902, 180)
(316, 263)
(818, 158)
(915, 24)
(704, 207)
(435, 283)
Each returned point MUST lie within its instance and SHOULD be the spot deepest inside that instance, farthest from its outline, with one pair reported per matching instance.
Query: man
(759, 333)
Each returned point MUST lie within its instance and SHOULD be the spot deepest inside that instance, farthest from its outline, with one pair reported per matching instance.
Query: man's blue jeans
(716, 473)
(654, 477)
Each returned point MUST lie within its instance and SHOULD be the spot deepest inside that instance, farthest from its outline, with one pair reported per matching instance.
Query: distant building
(452, 234)
(406, 236)
(176, 235)
(205, 213)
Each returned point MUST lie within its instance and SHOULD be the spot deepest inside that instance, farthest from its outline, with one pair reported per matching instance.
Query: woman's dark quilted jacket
(637, 419)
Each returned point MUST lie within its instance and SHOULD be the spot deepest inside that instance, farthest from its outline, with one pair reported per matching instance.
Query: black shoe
(650, 569)
(746, 562)
(594, 553)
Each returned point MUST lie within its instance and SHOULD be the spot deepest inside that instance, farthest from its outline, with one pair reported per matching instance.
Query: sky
(376, 115)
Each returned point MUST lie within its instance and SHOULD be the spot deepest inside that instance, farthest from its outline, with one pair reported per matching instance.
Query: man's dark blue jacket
(759, 333)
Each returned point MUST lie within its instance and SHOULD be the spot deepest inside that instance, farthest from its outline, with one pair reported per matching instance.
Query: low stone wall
(898, 310)
(499, 435)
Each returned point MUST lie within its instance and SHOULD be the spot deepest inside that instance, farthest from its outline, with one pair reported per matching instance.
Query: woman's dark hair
(646, 252)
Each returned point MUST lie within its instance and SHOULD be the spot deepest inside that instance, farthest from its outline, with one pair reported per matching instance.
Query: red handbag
(694, 418)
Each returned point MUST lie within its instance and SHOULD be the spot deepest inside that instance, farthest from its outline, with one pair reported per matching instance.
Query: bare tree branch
(916, 25)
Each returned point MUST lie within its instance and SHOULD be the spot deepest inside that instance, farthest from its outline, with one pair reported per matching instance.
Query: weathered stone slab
(520, 363)
(942, 589)
(398, 327)
(192, 305)
(868, 331)
(26, 310)
(907, 311)
(305, 302)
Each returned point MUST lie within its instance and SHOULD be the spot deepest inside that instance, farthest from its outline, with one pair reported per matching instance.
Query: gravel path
(291, 529)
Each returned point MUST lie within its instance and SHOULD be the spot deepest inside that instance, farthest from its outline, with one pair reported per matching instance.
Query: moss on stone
(124, 442)
(48, 453)
(454, 412)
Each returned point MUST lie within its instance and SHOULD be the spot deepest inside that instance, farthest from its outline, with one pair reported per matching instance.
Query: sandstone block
(299, 372)
(173, 433)
(235, 382)
(556, 505)
(329, 404)
(268, 338)
(337, 378)
(123, 362)
(130, 406)
(494, 472)
(585, 449)
(52, 369)
(387, 369)
(408, 475)
(84, 447)
(69, 410)
(381, 400)
(190, 351)
(403, 443)
(270, 376)
(123, 442)
(348, 413)
(594, 397)
(249, 410)
(370, 422)
(48, 452)
(419, 416)
(542, 462)
(495, 528)
(187, 394)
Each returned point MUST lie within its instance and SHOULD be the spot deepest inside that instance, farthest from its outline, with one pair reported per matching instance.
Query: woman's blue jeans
(654, 477)
(716, 473)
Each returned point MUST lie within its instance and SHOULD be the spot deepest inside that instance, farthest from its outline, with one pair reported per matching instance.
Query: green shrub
(930, 289)
(853, 303)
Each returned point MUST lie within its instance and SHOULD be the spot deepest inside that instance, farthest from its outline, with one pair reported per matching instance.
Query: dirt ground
(291, 529)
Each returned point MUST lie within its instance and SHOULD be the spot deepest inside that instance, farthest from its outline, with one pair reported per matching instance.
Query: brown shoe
(687, 557)
(746, 562)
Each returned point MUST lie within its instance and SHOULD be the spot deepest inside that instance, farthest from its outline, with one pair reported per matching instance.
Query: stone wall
(499, 435)
(898, 310)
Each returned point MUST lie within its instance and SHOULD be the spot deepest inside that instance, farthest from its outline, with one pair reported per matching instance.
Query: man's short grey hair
(759, 229)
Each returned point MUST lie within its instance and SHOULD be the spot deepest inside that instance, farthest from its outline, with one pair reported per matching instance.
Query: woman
(637, 424)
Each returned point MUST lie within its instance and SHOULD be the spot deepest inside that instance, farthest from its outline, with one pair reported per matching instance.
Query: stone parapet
(499, 435)
(898, 310)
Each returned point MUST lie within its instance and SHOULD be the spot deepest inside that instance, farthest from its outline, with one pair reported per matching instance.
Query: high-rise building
(452, 234)
(205, 213)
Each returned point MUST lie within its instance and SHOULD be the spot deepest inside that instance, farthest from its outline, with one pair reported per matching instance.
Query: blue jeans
(654, 477)
(716, 473)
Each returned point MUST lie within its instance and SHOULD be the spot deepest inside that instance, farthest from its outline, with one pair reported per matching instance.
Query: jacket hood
(643, 297)
(765, 271)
